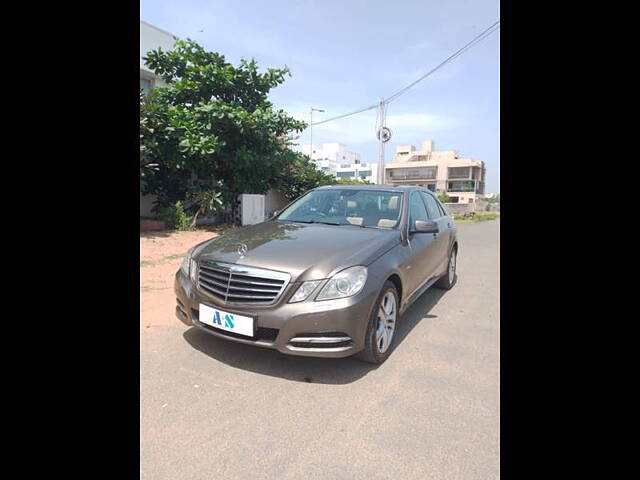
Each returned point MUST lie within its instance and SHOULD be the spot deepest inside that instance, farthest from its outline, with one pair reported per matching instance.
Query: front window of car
(364, 208)
(432, 206)
(417, 210)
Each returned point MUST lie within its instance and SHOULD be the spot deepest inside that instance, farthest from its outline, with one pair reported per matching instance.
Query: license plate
(231, 322)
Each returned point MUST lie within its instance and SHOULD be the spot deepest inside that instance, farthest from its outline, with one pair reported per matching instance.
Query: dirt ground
(161, 254)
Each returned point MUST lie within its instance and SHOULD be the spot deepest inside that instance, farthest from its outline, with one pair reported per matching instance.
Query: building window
(468, 186)
(413, 173)
(459, 172)
(345, 174)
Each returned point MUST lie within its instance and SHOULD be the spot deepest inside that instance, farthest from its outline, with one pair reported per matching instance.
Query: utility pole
(381, 144)
(384, 134)
(311, 131)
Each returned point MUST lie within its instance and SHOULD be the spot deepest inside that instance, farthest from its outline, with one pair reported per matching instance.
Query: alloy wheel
(386, 321)
(452, 266)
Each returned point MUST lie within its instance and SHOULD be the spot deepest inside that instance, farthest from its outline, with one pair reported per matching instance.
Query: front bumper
(312, 325)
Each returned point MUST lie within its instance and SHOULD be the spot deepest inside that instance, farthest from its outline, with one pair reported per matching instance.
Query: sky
(348, 54)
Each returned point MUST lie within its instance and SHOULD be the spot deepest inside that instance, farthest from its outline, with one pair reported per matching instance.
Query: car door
(443, 237)
(422, 248)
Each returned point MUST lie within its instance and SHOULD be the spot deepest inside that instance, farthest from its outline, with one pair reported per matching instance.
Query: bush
(475, 217)
(443, 197)
(175, 217)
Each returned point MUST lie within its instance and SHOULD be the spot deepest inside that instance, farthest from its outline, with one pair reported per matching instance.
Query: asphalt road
(212, 409)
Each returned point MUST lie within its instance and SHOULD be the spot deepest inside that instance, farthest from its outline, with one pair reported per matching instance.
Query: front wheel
(449, 279)
(381, 326)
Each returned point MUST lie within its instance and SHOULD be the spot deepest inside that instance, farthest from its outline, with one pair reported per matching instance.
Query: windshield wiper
(316, 221)
(325, 223)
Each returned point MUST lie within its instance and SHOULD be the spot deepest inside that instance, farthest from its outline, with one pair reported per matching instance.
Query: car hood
(306, 251)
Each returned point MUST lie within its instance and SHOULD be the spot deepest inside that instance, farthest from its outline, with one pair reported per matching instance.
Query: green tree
(207, 200)
(348, 181)
(213, 124)
(146, 166)
(299, 175)
(444, 197)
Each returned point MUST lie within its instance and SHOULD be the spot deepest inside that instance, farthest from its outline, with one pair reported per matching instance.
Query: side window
(417, 211)
(432, 206)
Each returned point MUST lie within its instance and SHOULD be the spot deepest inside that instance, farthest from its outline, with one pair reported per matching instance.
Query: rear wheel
(381, 326)
(449, 279)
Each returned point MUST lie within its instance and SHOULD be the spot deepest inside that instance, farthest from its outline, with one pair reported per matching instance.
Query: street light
(311, 130)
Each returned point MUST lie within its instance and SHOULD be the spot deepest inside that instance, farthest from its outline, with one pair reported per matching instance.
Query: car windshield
(364, 208)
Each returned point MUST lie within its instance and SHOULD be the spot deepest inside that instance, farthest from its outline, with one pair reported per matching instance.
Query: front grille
(237, 284)
(262, 333)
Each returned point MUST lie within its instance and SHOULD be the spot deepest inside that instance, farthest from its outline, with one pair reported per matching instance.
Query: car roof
(386, 188)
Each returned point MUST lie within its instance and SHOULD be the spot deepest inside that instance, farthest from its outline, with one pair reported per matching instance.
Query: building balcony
(465, 186)
(410, 178)
(416, 174)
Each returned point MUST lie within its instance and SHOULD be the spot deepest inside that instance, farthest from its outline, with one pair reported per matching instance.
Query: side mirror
(422, 226)
(272, 214)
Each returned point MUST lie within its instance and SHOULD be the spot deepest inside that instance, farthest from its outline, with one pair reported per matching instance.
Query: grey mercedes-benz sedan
(328, 276)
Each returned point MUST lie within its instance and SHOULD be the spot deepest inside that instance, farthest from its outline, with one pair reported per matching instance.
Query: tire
(373, 353)
(449, 279)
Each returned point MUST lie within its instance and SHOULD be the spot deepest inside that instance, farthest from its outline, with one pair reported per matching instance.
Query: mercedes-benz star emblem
(242, 249)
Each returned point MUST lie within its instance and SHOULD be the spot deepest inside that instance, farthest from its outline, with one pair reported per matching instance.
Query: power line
(370, 107)
(478, 38)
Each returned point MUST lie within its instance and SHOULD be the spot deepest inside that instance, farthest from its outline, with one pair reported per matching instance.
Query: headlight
(193, 270)
(186, 263)
(343, 284)
(304, 291)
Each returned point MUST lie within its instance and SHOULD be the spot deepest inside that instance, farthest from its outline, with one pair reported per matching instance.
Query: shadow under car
(330, 371)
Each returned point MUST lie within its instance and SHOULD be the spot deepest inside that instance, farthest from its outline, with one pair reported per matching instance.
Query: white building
(151, 38)
(334, 159)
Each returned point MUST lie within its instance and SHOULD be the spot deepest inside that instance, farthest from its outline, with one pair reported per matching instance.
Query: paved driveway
(213, 409)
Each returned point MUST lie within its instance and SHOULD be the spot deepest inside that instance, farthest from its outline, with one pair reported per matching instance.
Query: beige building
(461, 178)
